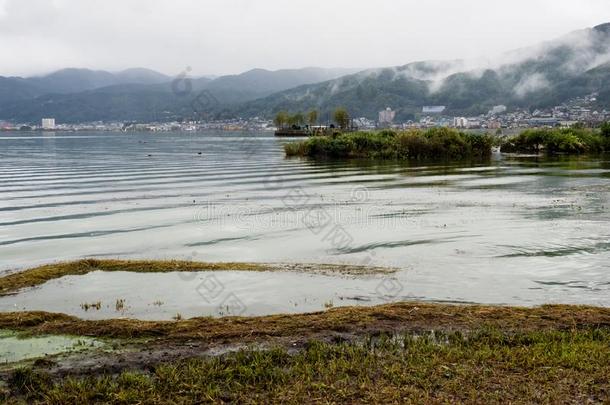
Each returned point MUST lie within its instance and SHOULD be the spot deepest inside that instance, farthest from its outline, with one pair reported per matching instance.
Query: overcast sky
(231, 36)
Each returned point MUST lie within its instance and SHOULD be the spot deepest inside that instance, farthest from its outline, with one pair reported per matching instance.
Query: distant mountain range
(73, 81)
(82, 95)
(541, 76)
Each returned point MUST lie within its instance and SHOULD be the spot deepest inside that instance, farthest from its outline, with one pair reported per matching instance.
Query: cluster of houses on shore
(579, 110)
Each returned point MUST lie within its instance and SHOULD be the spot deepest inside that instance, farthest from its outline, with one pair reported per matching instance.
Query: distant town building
(493, 124)
(48, 123)
(473, 123)
(364, 123)
(433, 109)
(386, 116)
(460, 122)
(544, 122)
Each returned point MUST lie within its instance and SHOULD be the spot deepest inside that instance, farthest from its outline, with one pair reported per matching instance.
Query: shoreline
(397, 352)
(574, 340)
(399, 316)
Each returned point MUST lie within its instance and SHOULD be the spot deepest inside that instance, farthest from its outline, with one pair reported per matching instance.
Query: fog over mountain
(546, 74)
(543, 75)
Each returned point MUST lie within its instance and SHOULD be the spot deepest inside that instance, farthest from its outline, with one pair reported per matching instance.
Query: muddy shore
(565, 348)
(134, 344)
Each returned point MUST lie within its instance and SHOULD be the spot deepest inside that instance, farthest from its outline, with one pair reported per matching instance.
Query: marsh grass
(485, 366)
(396, 316)
(119, 305)
(570, 141)
(476, 354)
(435, 143)
(39, 275)
(93, 305)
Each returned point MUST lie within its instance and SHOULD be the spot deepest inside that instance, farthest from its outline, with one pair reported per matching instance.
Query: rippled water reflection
(513, 230)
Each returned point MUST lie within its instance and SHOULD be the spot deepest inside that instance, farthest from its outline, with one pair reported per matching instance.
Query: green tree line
(284, 119)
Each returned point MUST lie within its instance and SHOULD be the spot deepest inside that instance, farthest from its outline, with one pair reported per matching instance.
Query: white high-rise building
(48, 123)
(460, 122)
(386, 116)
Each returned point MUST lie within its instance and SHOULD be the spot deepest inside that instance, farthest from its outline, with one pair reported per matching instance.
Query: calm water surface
(515, 230)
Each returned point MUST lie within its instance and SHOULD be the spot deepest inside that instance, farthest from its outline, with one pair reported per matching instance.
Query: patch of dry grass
(357, 320)
(40, 275)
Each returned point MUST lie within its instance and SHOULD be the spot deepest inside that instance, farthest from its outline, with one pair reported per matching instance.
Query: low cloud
(530, 84)
(231, 36)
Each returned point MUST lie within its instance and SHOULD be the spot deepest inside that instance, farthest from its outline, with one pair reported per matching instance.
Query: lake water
(514, 230)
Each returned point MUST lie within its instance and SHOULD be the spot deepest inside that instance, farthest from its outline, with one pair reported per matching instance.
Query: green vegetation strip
(450, 144)
(485, 366)
(569, 141)
(435, 143)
